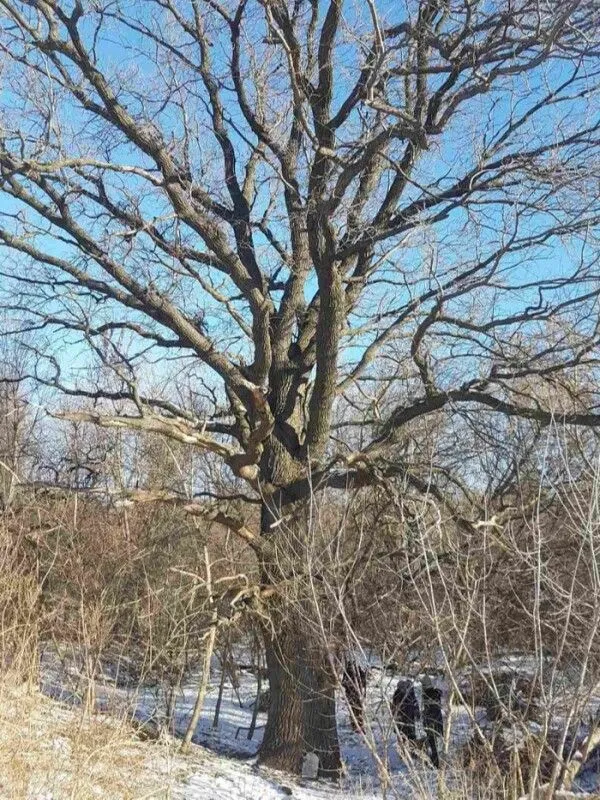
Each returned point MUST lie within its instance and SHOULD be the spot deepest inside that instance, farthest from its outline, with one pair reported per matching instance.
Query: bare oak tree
(288, 232)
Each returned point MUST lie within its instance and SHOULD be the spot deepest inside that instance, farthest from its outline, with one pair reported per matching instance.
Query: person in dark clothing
(354, 682)
(406, 711)
(433, 720)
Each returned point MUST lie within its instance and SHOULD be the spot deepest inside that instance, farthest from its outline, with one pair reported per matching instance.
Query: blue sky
(453, 154)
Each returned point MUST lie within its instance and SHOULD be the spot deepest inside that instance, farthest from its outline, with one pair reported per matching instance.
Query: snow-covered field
(56, 752)
(229, 770)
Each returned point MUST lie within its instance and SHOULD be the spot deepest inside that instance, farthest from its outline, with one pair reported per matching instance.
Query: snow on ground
(50, 751)
(55, 751)
(223, 766)
(229, 769)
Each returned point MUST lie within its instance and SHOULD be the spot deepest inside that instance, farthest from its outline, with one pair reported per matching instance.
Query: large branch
(434, 402)
(219, 512)
(244, 464)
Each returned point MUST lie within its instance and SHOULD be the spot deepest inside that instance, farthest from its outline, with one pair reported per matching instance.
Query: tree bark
(301, 715)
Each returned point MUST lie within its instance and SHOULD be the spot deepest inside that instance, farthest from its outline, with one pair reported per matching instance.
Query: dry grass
(51, 752)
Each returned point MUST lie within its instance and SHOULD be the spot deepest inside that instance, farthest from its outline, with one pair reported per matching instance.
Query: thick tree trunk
(302, 711)
(301, 716)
